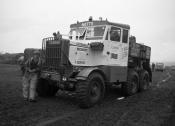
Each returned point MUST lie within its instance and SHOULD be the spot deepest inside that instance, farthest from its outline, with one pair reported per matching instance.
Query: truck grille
(55, 54)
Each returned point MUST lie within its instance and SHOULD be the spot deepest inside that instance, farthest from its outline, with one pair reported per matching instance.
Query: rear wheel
(144, 80)
(90, 92)
(131, 86)
(46, 88)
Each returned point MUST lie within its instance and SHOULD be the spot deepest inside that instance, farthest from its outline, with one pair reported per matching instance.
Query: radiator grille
(55, 54)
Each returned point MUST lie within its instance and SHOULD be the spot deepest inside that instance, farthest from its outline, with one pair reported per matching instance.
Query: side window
(115, 34)
(125, 36)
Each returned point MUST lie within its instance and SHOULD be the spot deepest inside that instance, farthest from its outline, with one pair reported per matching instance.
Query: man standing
(153, 67)
(31, 77)
(21, 64)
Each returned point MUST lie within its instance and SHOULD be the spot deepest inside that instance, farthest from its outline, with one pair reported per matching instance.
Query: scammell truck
(97, 54)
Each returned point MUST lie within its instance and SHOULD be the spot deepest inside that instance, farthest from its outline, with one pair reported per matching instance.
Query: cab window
(115, 34)
(125, 36)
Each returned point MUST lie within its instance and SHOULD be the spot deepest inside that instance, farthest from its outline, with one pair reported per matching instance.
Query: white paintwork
(88, 57)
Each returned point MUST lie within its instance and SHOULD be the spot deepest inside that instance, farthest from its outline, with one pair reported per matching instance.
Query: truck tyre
(132, 84)
(90, 92)
(144, 80)
(46, 88)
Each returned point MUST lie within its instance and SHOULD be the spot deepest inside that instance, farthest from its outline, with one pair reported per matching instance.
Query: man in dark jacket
(30, 77)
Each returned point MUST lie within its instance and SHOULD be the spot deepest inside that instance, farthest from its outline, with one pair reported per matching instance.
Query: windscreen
(78, 33)
(87, 33)
(95, 32)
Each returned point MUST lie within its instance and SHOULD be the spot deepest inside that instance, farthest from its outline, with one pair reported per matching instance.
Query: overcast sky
(23, 23)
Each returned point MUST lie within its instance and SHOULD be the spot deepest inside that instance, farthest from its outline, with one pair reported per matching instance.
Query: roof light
(90, 18)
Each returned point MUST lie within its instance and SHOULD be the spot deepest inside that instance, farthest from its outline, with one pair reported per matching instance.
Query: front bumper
(62, 82)
(51, 76)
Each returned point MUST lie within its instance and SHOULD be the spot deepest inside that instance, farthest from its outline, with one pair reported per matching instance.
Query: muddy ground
(155, 107)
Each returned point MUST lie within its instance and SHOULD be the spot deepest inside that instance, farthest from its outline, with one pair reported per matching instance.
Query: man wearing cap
(31, 77)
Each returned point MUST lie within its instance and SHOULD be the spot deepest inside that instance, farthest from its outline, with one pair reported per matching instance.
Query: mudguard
(83, 74)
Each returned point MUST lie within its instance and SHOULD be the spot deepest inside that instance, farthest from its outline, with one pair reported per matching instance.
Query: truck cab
(100, 43)
(159, 66)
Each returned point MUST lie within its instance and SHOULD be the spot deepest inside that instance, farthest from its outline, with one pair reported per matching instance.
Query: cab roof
(98, 22)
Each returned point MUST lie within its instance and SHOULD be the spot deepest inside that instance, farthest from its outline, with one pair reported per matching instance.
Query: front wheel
(90, 92)
(46, 88)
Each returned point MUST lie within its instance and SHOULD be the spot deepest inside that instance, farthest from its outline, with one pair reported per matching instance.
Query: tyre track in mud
(158, 84)
(164, 80)
(141, 109)
(121, 117)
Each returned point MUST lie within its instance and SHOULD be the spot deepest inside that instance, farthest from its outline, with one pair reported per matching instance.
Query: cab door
(119, 47)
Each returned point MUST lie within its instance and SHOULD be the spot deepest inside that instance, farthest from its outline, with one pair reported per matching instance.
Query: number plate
(52, 76)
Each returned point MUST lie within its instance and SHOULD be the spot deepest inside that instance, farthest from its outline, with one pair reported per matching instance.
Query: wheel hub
(95, 91)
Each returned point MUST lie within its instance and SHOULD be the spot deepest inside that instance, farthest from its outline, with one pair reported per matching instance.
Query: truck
(97, 54)
(159, 66)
